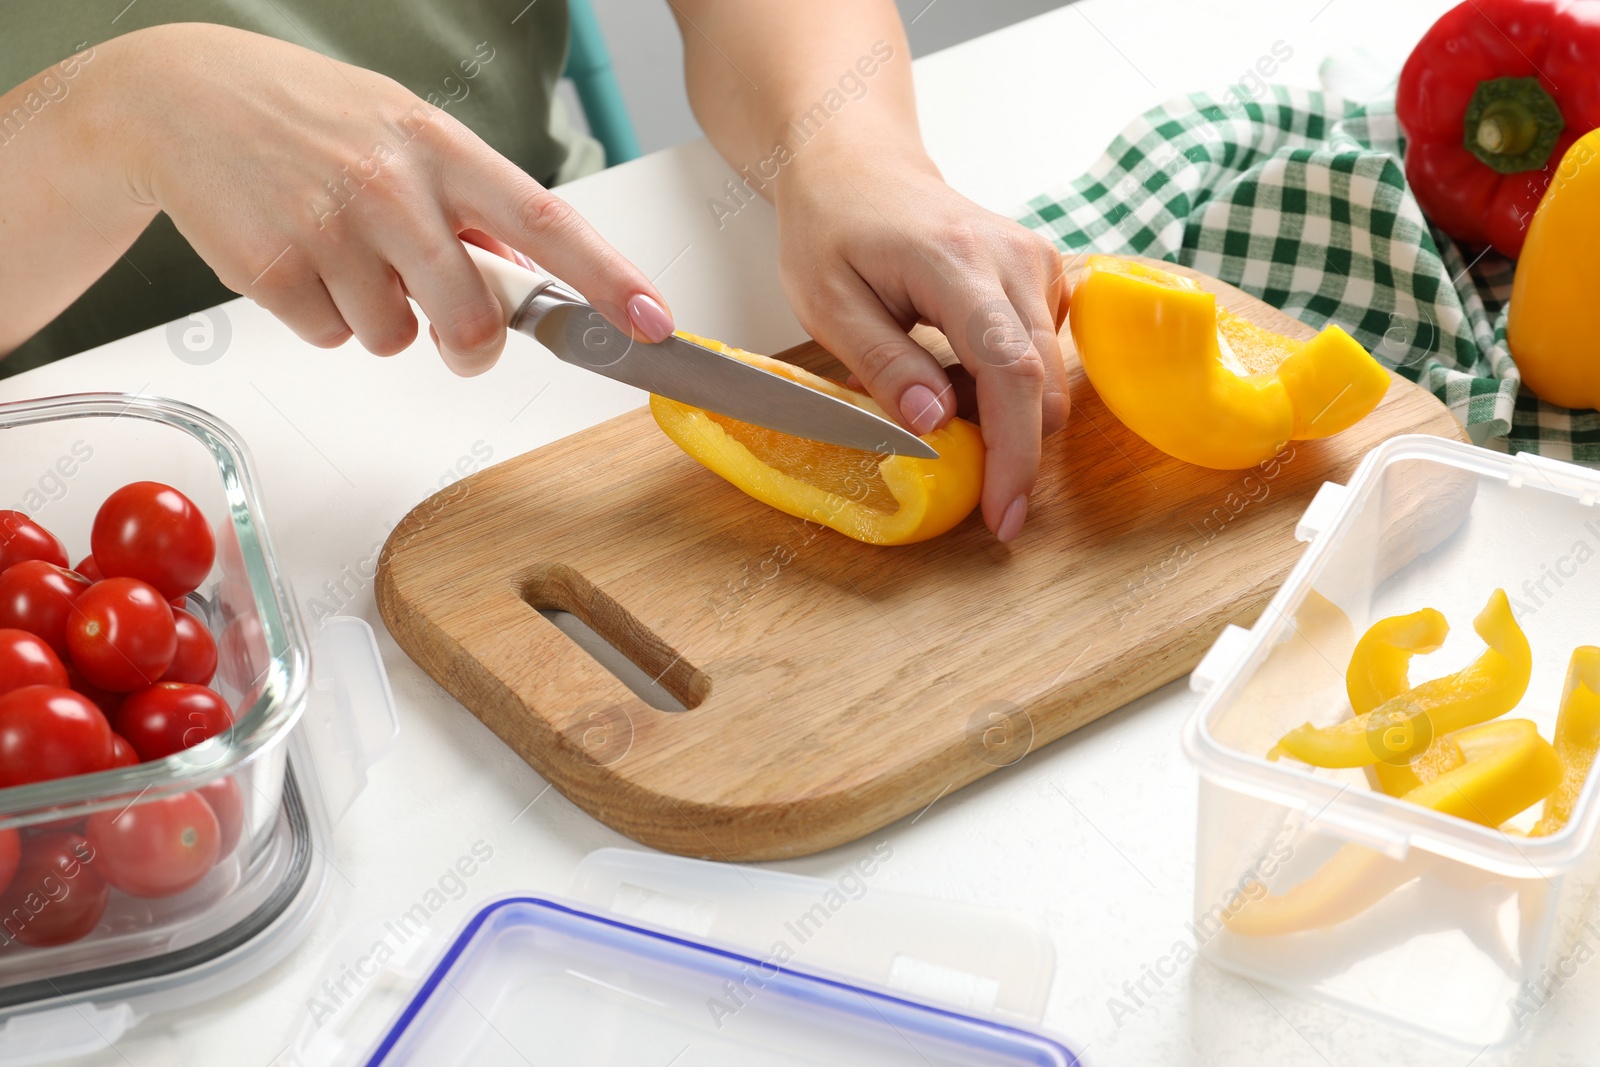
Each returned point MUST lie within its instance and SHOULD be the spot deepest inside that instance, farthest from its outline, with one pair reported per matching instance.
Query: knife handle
(513, 285)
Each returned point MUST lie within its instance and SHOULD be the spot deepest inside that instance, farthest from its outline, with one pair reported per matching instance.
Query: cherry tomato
(154, 533)
(38, 597)
(196, 659)
(122, 753)
(104, 699)
(169, 717)
(227, 804)
(10, 855)
(21, 538)
(121, 635)
(242, 652)
(91, 570)
(55, 896)
(27, 660)
(46, 732)
(156, 848)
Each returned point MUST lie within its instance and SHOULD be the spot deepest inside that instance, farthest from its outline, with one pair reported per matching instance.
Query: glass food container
(1460, 931)
(60, 457)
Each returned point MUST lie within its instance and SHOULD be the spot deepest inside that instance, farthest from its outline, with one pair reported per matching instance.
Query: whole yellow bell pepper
(1553, 327)
(882, 500)
(1203, 384)
(1506, 769)
(1406, 724)
(1577, 737)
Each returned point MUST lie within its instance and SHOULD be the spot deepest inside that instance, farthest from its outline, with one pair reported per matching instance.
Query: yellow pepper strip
(1488, 687)
(1353, 880)
(1398, 779)
(882, 500)
(1380, 666)
(1204, 385)
(1507, 769)
(1577, 737)
(1553, 328)
(1380, 670)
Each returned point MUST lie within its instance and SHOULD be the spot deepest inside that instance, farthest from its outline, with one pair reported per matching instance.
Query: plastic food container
(654, 955)
(59, 459)
(1483, 924)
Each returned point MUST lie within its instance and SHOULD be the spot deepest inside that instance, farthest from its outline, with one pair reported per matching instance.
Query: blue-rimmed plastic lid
(533, 981)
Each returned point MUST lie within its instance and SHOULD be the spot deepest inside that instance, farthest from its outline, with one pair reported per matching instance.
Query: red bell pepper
(1489, 100)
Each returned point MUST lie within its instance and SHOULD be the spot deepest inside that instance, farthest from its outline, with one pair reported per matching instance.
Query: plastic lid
(533, 980)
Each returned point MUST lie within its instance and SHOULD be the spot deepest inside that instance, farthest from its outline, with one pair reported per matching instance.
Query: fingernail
(649, 318)
(1011, 522)
(921, 409)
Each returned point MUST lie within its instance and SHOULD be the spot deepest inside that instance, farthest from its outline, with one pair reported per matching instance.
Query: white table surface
(1093, 836)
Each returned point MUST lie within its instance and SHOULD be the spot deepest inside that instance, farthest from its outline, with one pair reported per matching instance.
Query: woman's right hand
(328, 194)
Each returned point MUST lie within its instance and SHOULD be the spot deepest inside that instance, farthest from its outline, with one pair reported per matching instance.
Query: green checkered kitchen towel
(1301, 199)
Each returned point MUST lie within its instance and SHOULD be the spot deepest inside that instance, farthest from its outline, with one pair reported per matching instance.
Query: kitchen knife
(576, 333)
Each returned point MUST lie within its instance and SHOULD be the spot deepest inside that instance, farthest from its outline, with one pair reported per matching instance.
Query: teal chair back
(589, 67)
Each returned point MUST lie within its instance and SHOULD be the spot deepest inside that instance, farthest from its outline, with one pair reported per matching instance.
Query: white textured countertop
(1092, 837)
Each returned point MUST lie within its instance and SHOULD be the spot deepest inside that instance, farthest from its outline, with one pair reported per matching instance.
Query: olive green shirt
(493, 64)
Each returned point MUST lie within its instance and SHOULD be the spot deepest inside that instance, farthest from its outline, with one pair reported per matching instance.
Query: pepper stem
(1512, 124)
(1506, 129)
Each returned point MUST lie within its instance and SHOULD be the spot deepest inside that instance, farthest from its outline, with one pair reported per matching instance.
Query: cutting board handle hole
(655, 672)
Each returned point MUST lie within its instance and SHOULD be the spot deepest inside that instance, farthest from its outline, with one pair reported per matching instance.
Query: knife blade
(562, 321)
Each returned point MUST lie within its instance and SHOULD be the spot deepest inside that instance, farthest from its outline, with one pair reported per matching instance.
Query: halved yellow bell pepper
(882, 500)
(1553, 324)
(1577, 737)
(1506, 769)
(1203, 384)
(1406, 724)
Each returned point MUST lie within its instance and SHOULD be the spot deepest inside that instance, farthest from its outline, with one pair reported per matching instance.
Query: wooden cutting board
(833, 687)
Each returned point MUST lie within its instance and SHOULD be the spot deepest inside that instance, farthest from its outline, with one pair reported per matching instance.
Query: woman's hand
(871, 245)
(871, 239)
(328, 194)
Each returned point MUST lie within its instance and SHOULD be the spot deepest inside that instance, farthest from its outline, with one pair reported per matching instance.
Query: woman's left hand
(871, 245)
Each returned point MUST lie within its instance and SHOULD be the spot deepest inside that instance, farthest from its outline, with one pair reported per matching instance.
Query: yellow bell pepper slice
(1380, 666)
(1203, 384)
(1398, 779)
(1380, 670)
(882, 500)
(1353, 879)
(1553, 324)
(1406, 724)
(1577, 737)
(1507, 768)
